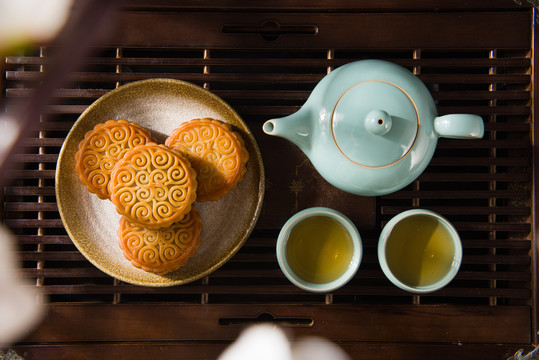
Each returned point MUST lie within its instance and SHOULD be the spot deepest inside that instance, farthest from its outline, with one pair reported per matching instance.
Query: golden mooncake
(153, 186)
(217, 154)
(102, 147)
(164, 250)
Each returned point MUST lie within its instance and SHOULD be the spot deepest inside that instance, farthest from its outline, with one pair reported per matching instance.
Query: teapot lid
(375, 123)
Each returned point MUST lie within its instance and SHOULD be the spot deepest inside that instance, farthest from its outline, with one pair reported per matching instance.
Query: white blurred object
(9, 132)
(19, 307)
(315, 348)
(261, 342)
(23, 21)
(269, 342)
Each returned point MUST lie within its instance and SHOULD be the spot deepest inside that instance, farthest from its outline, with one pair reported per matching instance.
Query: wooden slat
(45, 142)
(31, 223)
(64, 273)
(278, 291)
(30, 158)
(66, 109)
(44, 239)
(30, 206)
(52, 255)
(143, 323)
(241, 274)
(496, 259)
(462, 194)
(198, 350)
(508, 30)
(471, 210)
(509, 127)
(254, 94)
(262, 78)
(270, 258)
(284, 62)
(56, 126)
(480, 161)
(61, 93)
(29, 191)
(320, 5)
(522, 143)
(481, 95)
(193, 77)
(499, 244)
(285, 110)
(485, 110)
(459, 177)
(493, 275)
(30, 174)
(474, 79)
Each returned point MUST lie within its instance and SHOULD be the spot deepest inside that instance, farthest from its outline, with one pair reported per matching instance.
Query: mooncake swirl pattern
(153, 186)
(216, 152)
(164, 250)
(102, 147)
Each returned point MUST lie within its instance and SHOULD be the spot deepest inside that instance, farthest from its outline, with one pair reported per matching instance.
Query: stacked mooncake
(154, 186)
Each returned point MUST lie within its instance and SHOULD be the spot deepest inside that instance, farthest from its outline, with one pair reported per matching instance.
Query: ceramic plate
(159, 105)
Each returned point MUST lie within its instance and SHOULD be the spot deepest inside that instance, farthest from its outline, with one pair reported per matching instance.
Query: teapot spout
(295, 128)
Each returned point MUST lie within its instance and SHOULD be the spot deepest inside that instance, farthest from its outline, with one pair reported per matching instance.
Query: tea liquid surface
(319, 249)
(420, 251)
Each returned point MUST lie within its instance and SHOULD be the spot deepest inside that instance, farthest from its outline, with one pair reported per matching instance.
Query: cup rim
(382, 242)
(341, 280)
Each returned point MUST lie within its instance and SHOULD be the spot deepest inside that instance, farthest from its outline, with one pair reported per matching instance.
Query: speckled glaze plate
(159, 105)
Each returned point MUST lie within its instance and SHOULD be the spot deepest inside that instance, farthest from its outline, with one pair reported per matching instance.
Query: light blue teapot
(370, 127)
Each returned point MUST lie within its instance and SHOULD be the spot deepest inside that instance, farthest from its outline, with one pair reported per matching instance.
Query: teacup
(419, 251)
(319, 249)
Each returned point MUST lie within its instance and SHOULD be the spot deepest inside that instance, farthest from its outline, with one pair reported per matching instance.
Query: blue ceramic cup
(319, 249)
(419, 251)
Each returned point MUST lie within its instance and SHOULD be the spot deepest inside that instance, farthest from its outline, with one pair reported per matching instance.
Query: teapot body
(369, 127)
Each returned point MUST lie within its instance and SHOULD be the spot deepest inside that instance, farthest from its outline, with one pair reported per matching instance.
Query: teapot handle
(459, 126)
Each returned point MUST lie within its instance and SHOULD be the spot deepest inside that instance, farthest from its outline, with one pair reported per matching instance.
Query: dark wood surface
(475, 57)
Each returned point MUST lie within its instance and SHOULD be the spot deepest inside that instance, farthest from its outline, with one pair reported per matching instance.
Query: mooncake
(153, 186)
(216, 152)
(164, 250)
(102, 147)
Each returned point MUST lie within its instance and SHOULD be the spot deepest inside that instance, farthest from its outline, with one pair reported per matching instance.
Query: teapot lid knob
(378, 122)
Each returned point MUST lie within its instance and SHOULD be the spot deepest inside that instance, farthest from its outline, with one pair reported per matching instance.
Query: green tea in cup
(419, 251)
(319, 249)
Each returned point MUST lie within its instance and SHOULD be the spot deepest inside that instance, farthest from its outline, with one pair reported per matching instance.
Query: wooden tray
(264, 58)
